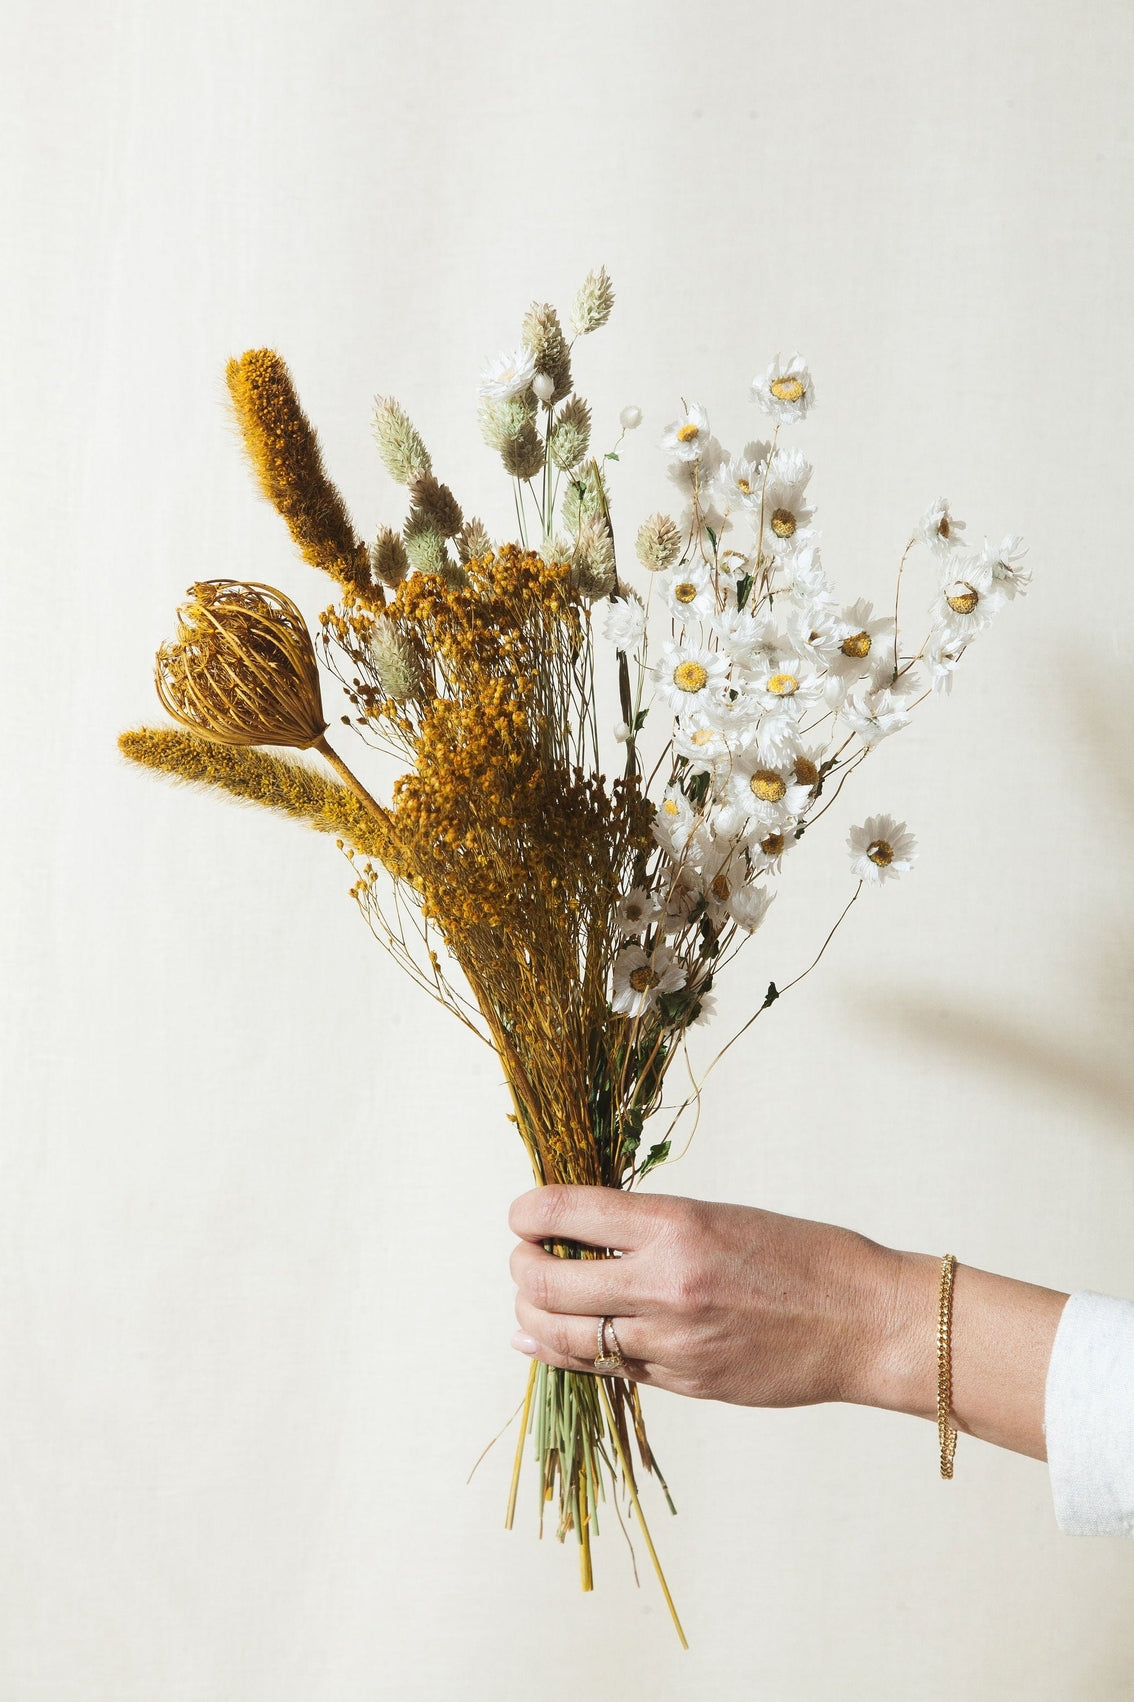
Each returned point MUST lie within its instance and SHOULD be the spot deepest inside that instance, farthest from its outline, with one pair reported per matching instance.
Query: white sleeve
(1089, 1417)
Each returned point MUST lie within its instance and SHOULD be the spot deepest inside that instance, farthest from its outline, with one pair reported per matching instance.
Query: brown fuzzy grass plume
(257, 777)
(288, 464)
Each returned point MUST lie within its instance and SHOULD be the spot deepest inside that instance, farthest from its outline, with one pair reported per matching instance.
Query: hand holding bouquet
(578, 922)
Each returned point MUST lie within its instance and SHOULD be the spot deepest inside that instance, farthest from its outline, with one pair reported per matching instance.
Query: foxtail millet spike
(288, 464)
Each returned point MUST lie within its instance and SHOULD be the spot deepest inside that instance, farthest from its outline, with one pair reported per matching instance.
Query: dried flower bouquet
(576, 923)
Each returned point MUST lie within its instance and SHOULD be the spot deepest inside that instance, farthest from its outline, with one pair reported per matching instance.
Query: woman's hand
(729, 1303)
(722, 1302)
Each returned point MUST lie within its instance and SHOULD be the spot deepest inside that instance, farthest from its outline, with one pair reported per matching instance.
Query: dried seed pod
(242, 670)
(424, 544)
(593, 303)
(502, 421)
(543, 335)
(437, 504)
(571, 434)
(403, 453)
(473, 541)
(523, 456)
(658, 543)
(388, 558)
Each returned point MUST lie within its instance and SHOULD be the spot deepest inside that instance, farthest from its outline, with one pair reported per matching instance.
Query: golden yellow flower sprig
(515, 848)
(288, 464)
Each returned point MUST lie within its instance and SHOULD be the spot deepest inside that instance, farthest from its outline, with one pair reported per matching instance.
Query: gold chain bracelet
(946, 1435)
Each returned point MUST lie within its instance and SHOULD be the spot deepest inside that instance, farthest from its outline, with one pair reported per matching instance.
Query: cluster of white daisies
(775, 687)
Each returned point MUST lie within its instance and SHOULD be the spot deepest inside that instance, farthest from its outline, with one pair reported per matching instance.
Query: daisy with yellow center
(881, 849)
(640, 978)
(637, 911)
(787, 685)
(686, 439)
(968, 602)
(763, 792)
(785, 391)
(709, 737)
(938, 529)
(863, 642)
(739, 482)
(688, 675)
(688, 592)
(788, 515)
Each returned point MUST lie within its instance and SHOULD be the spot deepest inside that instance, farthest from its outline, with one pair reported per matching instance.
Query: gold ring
(605, 1361)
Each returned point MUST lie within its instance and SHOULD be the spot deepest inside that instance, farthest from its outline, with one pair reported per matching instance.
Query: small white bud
(621, 732)
(543, 386)
(630, 418)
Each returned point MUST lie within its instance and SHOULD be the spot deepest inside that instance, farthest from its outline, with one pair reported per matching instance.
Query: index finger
(598, 1217)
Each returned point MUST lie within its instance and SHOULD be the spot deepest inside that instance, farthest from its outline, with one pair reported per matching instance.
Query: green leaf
(611, 456)
(743, 588)
(640, 720)
(770, 996)
(656, 1155)
(712, 538)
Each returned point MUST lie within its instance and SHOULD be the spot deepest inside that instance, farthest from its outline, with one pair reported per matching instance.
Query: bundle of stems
(570, 922)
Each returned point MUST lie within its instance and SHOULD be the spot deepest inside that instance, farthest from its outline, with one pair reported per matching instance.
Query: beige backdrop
(254, 1298)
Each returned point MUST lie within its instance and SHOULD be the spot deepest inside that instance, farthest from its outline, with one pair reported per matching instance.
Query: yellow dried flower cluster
(515, 850)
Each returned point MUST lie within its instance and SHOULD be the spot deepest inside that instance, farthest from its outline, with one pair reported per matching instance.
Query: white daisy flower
(765, 793)
(938, 529)
(686, 438)
(722, 872)
(624, 622)
(767, 848)
(709, 738)
(750, 639)
(679, 901)
(787, 514)
(807, 582)
(943, 650)
(688, 591)
(785, 391)
(815, 630)
(749, 905)
(706, 1008)
(640, 978)
(785, 684)
(737, 484)
(1005, 559)
(881, 849)
(966, 604)
(861, 641)
(508, 375)
(688, 674)
(675, 823)
(874, 715)
(638, 911)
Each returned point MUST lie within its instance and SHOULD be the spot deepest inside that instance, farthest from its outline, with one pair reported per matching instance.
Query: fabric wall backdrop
(253, 1285)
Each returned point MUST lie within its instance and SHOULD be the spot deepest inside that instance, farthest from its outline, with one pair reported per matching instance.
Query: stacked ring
(605, 1361)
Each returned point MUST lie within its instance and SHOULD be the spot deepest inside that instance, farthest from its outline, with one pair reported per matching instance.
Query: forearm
(1002, 1337)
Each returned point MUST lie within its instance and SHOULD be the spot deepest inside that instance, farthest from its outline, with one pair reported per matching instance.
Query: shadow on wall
(1095, 1061)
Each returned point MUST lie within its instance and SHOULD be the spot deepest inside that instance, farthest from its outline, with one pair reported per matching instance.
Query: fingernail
(523, 1343)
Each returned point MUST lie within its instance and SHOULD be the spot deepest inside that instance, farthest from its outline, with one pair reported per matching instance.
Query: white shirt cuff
(1089, 1417)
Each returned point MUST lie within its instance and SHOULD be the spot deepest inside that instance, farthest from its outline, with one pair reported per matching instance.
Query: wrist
(902, 1368)
(1002, 1337)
